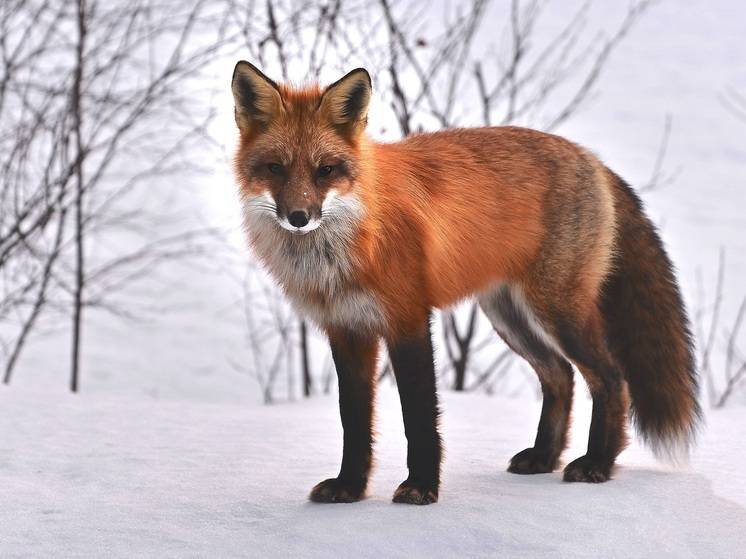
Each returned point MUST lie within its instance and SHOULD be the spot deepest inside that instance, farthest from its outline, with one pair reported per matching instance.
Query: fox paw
(335, 490)
(587, 469)
(415, 493)
(532, 461)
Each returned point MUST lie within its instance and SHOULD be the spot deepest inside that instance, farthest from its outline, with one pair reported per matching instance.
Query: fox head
(298, 158)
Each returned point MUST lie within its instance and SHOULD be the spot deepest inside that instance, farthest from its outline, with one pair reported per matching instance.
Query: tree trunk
(79, 186)
(459, 369)
(305, 360)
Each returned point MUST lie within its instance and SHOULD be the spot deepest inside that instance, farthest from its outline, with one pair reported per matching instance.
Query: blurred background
(123, 267)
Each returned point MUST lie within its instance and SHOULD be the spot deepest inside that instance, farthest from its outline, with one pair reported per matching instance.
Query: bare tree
(305, 352)
(95, 105)
(459, 355)
(734, 370)
(659, 177)
(735, 359)
(39, 300)
(270, 337)
(77, 127)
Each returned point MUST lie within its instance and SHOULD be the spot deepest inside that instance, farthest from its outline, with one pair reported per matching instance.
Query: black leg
(355, 359)
(512, 322)
(608, 435)
(551, 436)
(412, 360)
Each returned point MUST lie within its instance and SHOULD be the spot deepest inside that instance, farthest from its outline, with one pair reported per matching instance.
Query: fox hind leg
(586, 346)
(515, 324)
(551, 435)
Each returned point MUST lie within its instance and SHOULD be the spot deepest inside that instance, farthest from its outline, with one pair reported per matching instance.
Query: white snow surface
(123, 477)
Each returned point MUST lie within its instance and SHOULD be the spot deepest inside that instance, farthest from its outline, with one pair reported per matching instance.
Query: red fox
(367, 238)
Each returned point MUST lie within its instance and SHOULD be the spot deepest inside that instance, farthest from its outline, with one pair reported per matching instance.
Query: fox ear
(257, 98)
(345, 102)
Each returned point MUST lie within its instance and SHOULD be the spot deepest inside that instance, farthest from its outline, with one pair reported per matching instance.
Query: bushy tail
(648, 332)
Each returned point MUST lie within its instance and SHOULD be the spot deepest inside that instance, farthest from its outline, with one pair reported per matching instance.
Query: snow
(127, 477)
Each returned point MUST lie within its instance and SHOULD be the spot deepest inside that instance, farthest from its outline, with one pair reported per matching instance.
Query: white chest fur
(316, 269)
(355, 309)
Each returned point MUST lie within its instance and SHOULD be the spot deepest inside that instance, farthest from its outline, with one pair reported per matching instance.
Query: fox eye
(274, 168)
(325, 170)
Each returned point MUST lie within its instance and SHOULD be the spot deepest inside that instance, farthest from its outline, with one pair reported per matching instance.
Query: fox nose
(298, 218)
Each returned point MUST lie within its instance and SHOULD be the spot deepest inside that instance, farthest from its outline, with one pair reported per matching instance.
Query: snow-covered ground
(130, 477)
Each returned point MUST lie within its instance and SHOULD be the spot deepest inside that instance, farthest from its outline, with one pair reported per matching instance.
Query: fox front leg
(412, 360)
(355, 360)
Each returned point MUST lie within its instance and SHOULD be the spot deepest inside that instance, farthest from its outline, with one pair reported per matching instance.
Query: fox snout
(299, 218)
(299, 214)
(299, 221)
